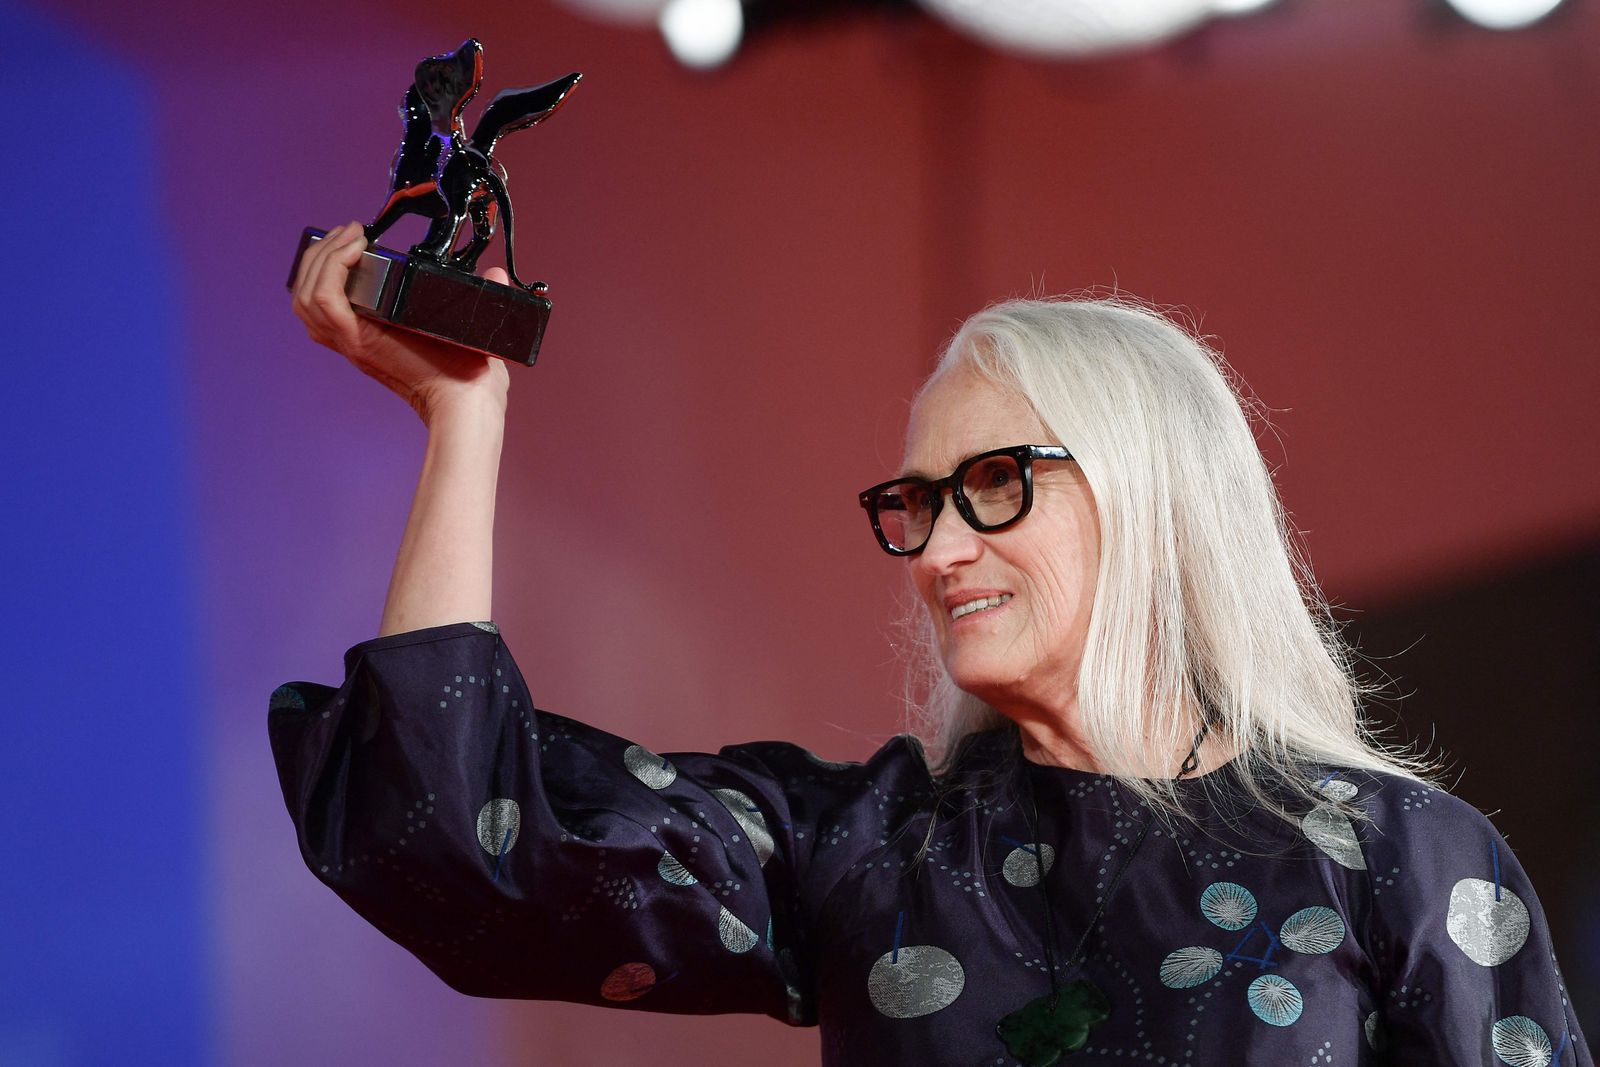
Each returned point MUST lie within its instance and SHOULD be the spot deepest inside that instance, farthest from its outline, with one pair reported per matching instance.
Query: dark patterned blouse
(493, 840)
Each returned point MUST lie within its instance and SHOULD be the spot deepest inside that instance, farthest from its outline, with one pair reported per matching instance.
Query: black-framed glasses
(992, 490)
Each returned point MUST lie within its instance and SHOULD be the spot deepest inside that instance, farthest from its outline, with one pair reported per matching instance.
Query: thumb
(497, 274)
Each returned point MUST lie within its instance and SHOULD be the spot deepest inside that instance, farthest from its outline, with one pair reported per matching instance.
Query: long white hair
(1202, 599)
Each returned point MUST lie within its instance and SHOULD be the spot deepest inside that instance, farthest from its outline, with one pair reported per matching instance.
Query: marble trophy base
(421, 296)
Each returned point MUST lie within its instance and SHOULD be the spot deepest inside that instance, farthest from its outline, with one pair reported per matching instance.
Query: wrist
(477, 408)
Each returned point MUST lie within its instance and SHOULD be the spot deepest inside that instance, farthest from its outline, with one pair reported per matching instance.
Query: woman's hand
(430, 375)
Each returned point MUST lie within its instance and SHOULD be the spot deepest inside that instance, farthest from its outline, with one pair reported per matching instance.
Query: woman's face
(1024, 653)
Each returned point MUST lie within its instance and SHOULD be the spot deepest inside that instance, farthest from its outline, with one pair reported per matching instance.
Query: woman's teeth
(978, 605)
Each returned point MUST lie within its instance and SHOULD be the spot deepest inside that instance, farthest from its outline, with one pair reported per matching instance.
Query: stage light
(1071, 27)
(1504, 14)
(1238, 7)
(702, 33)
(707, 33)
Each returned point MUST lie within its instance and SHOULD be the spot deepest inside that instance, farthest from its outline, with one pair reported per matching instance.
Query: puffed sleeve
(1468, 972)
(519, 853)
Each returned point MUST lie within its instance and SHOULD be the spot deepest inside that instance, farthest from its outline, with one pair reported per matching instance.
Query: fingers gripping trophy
(350, 293)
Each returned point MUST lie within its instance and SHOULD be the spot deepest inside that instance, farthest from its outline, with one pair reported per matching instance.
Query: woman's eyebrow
(953, 466)
(920, 474)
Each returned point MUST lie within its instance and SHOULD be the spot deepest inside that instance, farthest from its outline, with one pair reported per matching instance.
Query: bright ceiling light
(1504, 14)
(1238, 7)
(1072, 27)
(702, 33)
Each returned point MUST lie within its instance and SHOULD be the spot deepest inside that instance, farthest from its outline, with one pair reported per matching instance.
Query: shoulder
(1395, 832)
(1407, 816)
(1397, 796)
(1393, 815)
(1429, 852)
(901, 755)
(891, 783)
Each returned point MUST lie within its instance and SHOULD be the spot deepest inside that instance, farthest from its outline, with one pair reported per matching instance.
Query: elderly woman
(1148, 824)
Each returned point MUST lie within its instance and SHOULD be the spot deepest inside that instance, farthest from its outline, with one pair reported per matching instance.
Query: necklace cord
(1038, 860)
(1190, 762)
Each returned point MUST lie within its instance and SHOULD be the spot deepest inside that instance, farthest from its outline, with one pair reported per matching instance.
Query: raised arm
(519, 853)
(444, 571)
(445, 567)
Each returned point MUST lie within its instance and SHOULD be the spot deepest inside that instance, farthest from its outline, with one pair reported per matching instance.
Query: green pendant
(1041, 1031)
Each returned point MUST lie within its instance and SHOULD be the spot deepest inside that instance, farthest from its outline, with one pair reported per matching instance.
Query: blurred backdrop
(1383, 214)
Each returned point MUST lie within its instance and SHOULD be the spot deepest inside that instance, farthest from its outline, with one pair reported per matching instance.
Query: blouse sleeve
(1468, 971)
(518, 853)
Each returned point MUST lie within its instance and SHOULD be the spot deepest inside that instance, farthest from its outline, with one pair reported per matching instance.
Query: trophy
(449, 178)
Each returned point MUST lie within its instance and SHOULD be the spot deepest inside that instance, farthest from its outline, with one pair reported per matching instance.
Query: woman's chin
(973, 676)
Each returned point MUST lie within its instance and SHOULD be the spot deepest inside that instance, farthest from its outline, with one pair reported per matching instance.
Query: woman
(1153, 829)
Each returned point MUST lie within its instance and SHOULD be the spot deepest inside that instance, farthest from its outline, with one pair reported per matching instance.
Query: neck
(1055, 744)
(1045, 711)
(1058, 741)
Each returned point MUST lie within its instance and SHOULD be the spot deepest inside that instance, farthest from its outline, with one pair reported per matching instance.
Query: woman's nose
(951, 542)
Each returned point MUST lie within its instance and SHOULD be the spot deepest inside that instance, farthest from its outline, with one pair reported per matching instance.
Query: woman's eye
(912, 499)
(995, 475)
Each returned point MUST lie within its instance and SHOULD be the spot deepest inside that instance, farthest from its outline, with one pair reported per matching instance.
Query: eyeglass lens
(991, 487)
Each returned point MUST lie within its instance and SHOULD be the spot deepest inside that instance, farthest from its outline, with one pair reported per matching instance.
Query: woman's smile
(969, 607)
